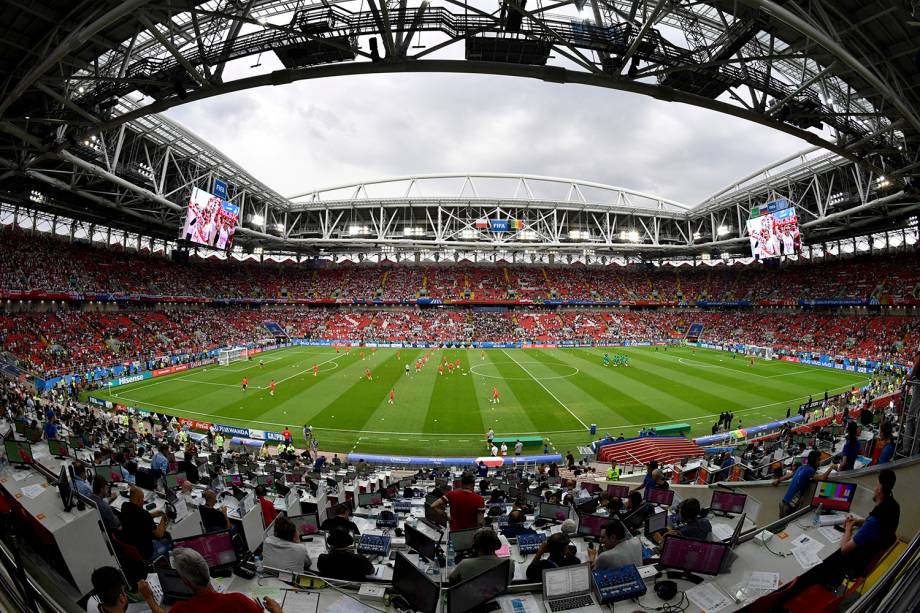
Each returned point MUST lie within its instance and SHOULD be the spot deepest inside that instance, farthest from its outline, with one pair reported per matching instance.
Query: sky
(319, 133)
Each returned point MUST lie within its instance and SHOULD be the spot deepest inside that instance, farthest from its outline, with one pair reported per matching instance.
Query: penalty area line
(540, 383)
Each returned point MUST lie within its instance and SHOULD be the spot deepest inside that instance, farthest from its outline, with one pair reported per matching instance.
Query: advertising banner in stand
(434, 461)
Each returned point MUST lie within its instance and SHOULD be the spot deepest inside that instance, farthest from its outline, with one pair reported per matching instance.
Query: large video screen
(210, 220)
(774, 234)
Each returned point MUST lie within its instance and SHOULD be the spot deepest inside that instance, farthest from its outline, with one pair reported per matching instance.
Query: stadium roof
(83, 82)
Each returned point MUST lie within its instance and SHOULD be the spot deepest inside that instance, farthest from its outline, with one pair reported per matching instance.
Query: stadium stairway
(664, 449)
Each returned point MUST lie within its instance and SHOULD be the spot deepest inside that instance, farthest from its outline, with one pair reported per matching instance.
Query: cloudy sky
(319, 133)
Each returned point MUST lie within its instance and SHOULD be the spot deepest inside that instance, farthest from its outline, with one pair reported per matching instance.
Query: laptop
(568, 588)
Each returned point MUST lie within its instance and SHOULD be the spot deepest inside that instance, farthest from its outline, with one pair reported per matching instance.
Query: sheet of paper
(301, 602)
(343, 604)
(19, 475)
(803, 541)
(761, 580)
(722, 531)
(275, 593)
(830, 534)
(519, 603)
(708, 597)
(32, 491)
(807, 558)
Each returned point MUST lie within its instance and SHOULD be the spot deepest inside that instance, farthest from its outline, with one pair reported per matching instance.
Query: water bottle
(450, 553)
(260, 570)
(413, 521)
(816, 519)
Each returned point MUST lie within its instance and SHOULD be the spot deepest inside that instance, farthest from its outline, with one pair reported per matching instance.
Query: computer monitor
(234, 480)
(307, 523)
(692, 556)
(834, 495)
(567, 581)
(462, 540)
(430, 498)
(175, 480)
(391, 492)
(478, 590)
(145, 480)
(33, 435)
(727, 502)
(110, 472)
(58, 449)
(592, 525)
(18, 452)
(556, 512)
(426, 546)
(436, 516)
(618, 491)
(216, 548)
(370, 499)
(657, 522)
(533, 499)
(21, 427)
(76, 442)
(662, 497)
(591, 488)
(65, 489)
(414, 585)
(266, 480)
(294, 477)
(732, 541)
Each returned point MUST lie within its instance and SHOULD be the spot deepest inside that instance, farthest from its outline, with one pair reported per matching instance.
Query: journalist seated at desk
(194, 572)
(283, 549)
(691, 524)
(618, 548)
(139, 529)
(485, 544)
(561, 553)
(341, 562)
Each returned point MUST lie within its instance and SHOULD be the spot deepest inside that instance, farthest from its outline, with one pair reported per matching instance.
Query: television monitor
(662, 497)
(210, 220)
(370, 499)
(175, 480)
(591, 488)
(65, 489)
(216, 548)
(414, 585)
(727, 502)
(834, 495)
(692, 555)
(33, 435)
(294, 477)
(145, 480)
(18, 452)
(471, 594)
(592, 525)
(533, 499)
(307, 524)
(234, 480)
(773, 230)
(426, 546)
(587, 506)
(556, 512)
(58, 449)
(656, 522)
(266, 480)
(462, 540)
(110, 472)
(391, 492)
(618, 491)
(435, 516)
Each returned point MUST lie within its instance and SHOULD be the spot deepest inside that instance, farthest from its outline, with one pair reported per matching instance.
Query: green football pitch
(556, 393)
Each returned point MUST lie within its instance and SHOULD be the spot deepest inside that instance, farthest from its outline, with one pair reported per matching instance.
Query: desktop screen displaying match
(833, 495)
(662, 497)
(368, 499)
(592, 525)
(306, 524)
(728, 502)
(216, 549)
(618, 491)
(692, 555)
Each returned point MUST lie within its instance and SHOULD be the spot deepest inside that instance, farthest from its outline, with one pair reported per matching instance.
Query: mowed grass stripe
(454, 402)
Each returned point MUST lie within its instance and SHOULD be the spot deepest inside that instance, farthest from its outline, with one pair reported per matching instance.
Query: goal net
(765, 353)
(226, 356)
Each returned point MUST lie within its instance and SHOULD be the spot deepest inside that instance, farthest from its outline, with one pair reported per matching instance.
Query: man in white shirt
(518, 448)
(618, 549)
(283, 549)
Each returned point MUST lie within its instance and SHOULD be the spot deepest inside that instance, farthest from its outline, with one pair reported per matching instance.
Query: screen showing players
(370, 499)
(216, 549)
(728, 502)
(834, 496)
(306, 524)
(210, 220)
(619, 491)
(18, 452)
(774, 231)
(662, 497)
(692, 555)
(592, 525)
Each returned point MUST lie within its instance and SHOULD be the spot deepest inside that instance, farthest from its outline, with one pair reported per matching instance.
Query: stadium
(573, 306)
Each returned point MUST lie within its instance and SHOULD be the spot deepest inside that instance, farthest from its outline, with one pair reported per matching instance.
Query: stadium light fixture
(36, 196)
(696, 236)
(413, 231)
(257, 220)
(527, 235)
(723, 230)
(355, 230)
(629, 235)
(579, 235)
(279, 227)
(468, 234)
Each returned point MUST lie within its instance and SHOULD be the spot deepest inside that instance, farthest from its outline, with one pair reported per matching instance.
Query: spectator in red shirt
(287, 435)
(466, 506)
(193, 570)
(269, 512)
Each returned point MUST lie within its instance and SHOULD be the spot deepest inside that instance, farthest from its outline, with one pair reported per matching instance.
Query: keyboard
(402, 506)
(374, 545)
(615, 584)
(573, 602)
(529, 543)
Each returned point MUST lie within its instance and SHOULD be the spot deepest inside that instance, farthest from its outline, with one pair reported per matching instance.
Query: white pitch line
(540, 383)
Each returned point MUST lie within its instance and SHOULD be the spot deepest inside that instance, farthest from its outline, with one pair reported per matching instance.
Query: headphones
(666, 590)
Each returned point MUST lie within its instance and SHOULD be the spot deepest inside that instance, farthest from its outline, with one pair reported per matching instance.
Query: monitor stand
(686, 576)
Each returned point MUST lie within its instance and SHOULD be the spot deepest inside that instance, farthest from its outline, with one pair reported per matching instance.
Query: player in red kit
(392, 396)
(367, 373)
(272, 385)
(457, 364)
(245, 383)
(440, 369)
(495, 398)
(315, 370)
(450, 368)
(418, 365)
(398, 356)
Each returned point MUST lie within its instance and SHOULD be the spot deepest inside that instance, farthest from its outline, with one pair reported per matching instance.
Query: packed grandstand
(118, 306)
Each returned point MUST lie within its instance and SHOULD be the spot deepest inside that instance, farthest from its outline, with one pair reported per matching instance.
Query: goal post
(765, 353)
(226, 356)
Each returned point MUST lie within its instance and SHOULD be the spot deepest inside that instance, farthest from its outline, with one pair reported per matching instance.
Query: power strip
(372, 592)
(763, 537)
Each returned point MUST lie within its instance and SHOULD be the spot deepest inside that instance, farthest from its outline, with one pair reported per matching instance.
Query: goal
(232, 355)
(765, 353)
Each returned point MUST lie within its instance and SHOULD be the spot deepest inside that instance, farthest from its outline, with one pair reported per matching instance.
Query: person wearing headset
(560, 551)
(340, 562)
(485, 544)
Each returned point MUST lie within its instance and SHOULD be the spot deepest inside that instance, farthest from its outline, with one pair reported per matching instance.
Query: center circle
(474, 370)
